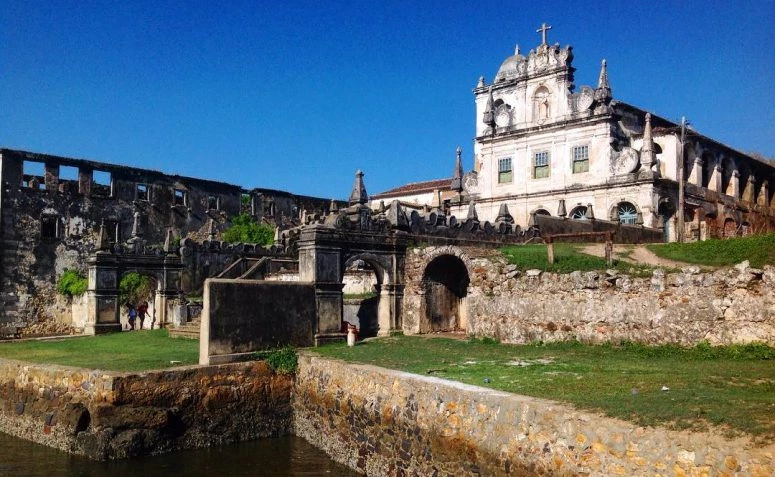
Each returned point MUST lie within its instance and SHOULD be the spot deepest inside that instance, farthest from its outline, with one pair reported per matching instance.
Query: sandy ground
(640, 254)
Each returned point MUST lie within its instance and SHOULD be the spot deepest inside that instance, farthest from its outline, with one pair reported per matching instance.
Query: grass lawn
(129, 351)
(732, 388)
(758, 249)
(567, 259)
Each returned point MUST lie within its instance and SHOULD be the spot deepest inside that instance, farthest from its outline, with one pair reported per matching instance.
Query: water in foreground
(284, 456)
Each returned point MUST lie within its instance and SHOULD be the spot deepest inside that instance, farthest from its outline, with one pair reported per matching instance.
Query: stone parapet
(385, 423)
(108, 415)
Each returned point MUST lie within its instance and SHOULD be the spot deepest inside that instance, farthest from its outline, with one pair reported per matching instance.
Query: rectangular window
(33, 174)
(102, 184)
(49, 227)
(504, 170)
(212, 202)
(142, 192)
(179, 197)
(541, 164)
(580, 159)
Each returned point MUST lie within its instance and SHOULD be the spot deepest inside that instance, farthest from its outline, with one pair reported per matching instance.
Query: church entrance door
(445, 283)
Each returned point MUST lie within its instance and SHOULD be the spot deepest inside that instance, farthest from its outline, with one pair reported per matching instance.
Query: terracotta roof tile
(416, 188)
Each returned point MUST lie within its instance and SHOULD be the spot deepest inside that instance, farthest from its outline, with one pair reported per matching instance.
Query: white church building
(544, 147)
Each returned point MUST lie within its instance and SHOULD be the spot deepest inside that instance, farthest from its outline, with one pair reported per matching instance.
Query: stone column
(734, 185)
(320, 265)
(85, 177)
(389, 313)
(102, 298)
(168, 291)
(51, 176)
(696, 175)
(748, 191)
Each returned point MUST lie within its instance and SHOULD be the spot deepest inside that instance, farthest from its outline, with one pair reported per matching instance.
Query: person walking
(132, 316)
(142, 312)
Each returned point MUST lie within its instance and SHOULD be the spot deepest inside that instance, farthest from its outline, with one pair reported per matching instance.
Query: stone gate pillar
(102, 303)
(319, 264)
(389, 313)
(169, 289)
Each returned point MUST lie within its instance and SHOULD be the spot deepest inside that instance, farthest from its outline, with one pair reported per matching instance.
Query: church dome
(508, 69)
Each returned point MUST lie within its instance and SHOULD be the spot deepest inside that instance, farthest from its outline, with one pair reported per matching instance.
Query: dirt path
(633, 253)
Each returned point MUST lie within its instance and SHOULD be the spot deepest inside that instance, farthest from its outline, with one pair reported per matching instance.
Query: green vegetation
(134, 351)
(245, 229)
(758, 249)
(134, 288)
(732, 388)
(567, 259)
(359, 296)
(72, 283)
(281, 360)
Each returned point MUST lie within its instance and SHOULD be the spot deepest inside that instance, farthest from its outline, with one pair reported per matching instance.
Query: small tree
(245, 229)
(72, 283)
(133, 288)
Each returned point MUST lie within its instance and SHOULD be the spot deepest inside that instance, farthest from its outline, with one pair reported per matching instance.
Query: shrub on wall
(245, 229)
(72, 283)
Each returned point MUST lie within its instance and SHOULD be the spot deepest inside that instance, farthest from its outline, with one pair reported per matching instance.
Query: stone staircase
(189, 330)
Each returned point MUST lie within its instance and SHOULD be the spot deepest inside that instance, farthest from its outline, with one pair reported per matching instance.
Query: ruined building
(545, 148)
(52, 210)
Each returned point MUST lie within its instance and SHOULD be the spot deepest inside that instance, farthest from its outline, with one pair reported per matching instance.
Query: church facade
(542, 147)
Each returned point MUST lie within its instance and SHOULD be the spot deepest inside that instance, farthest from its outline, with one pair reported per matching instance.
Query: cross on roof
(542, 31)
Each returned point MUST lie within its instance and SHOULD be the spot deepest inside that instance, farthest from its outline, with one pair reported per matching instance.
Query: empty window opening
(504, 170)
(49, 227)
(212, 202)
(142, 192)
(33, 175)
(179, 197)
(102, 184)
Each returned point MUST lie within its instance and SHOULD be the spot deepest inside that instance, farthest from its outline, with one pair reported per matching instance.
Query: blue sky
(298, 95)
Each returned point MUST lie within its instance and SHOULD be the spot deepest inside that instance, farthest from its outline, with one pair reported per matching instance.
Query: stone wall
(386, 423)
(734, 305)
(109, 415)
(240, 317)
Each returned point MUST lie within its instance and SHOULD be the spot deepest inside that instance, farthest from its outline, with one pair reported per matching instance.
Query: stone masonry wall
(386, 423)
(734, 305)
(108, 415)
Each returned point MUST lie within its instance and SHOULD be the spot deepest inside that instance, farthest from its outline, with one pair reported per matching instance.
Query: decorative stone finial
(103, 241)
(457, 176)
(333, 208)
(472, 215)
(561, 210)
(647, 156)
(489, 115)
(504, 215)
(168, 242)
(602, 81)
(590, 214)
(136, 225)
(603, 92)
(516, 50)
(358, 194)
(480, 83)
(211, 231)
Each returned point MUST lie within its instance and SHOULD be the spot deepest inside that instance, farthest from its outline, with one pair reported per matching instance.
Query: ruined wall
(240, 317)
(735, 305)
(385, 423)
(108, 415)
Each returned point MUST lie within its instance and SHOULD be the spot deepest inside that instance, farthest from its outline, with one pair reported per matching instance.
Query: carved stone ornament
(585, 98)
(503, 115)
(627, 161)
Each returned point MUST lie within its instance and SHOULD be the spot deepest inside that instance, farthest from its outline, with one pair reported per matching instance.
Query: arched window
(579, 213)
(542, 212)
(628, 213)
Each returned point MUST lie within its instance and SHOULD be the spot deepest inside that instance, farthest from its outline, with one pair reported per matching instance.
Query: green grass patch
(567, 259)
(359, 296)
(129, 351)
(282, 360)
(758, 249)
(732, 388)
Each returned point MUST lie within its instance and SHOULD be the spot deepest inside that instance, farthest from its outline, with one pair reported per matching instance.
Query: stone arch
(625, 211)
(540, 210)
(444, 284)
(729, 227)
(369, 313)
(578, 213)
(151, 298)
